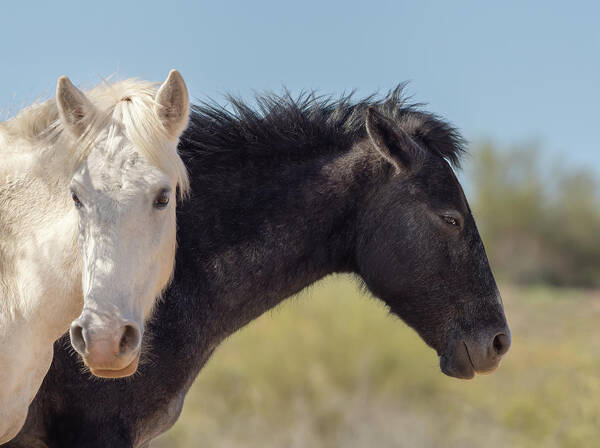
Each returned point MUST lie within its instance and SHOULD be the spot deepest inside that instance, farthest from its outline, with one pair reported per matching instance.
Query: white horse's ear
(173, 104)
(74, 108)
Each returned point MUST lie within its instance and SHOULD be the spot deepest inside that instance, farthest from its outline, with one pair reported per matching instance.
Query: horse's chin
(458, 364)
(120, 373)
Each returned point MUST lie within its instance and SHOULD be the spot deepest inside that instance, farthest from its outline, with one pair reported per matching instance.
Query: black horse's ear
(393, 143)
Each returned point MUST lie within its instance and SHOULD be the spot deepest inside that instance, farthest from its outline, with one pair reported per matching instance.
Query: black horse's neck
(254, 234)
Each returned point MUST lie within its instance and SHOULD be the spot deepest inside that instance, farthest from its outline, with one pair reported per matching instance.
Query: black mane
(311, 123)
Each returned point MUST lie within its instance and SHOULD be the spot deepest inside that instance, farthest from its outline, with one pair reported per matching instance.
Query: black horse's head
(419, 248)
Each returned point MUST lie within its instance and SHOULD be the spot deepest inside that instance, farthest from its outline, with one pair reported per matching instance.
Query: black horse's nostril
(130, 339)
(77, 339)
(501, 343)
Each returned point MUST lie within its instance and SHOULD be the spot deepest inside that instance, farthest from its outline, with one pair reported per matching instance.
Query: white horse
(87, 211)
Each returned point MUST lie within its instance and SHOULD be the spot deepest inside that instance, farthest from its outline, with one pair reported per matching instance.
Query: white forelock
(129, 104)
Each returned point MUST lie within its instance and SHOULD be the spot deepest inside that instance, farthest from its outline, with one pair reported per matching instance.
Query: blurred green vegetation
(333, 369)
(540, 221)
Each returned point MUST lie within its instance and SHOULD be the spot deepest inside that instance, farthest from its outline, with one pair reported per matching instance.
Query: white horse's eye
(161, 201)
(76, 200)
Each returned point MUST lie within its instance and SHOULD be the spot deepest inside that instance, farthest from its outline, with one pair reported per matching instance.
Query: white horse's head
(125, 191)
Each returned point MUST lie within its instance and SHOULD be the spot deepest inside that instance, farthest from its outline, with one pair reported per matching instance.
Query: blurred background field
(331, 368)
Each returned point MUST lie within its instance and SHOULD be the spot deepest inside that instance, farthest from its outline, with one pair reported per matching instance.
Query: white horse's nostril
(130, 339)
(77, 338)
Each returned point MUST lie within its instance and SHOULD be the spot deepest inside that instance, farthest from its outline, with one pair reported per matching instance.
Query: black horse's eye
(450, 220)
(76, 200)
(162, 200)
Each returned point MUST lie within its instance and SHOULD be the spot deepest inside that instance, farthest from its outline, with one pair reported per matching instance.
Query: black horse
(284, 194)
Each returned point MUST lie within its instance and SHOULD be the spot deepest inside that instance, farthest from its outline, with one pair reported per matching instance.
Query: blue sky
(512, 71)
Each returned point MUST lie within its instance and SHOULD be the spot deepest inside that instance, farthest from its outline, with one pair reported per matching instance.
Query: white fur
(119, 151)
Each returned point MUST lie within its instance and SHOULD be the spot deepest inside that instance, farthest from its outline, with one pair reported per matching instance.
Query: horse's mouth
(469, 356)
(463, 363)
(117, 373)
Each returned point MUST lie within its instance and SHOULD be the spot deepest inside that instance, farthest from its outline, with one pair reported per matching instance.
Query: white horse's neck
(40, 275)
(37, 236)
